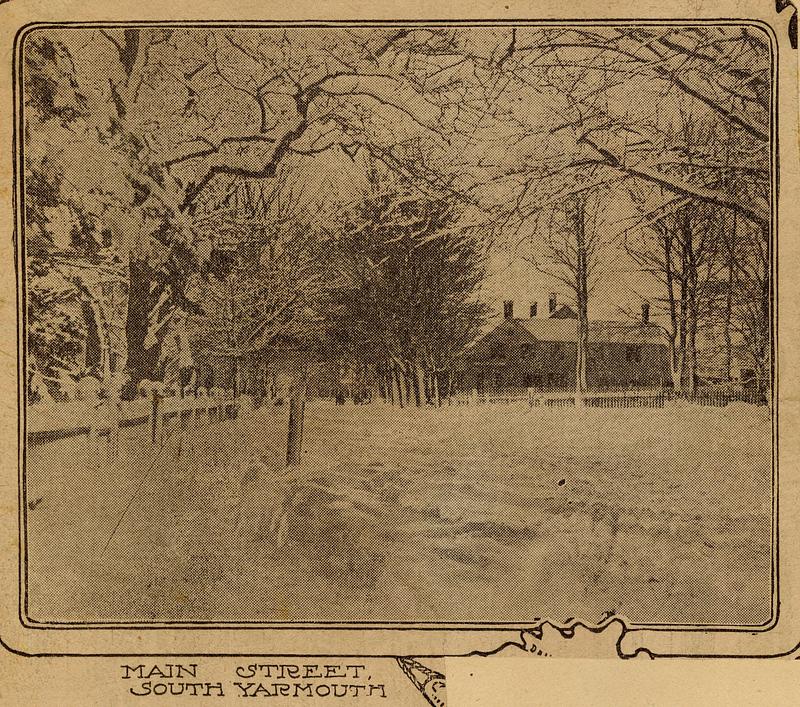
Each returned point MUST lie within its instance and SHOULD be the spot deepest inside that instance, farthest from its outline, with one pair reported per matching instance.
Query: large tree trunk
(683, 316)
(397, 383)
(690, 278)
(580, 366)
(677, 332)
(142, 360)
(95, 353)
(419, 387)
(98, 343)
(676, 361)
(691, 345)
(728, 312)
(582, 301)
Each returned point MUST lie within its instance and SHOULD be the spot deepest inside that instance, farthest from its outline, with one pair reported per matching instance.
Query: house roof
(542, 329)
(564, 312)
(626, 333)
(566, 330)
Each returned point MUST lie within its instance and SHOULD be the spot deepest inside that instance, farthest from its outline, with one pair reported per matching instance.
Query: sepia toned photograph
(427, 324)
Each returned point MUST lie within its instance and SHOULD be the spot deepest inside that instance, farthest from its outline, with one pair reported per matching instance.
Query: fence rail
(94, 419)
(616, 398)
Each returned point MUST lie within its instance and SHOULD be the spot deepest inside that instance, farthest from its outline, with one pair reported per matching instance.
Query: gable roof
(626, 333)
(542, 329)
(564, 312)
(566, 330)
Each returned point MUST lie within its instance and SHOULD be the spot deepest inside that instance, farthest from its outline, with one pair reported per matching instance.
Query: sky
(512, 278)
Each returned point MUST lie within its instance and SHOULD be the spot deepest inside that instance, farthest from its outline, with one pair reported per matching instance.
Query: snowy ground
(492, 513)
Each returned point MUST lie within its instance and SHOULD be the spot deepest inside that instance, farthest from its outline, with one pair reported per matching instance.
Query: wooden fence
(95, 419)
(720, 398)
(603, 399)
(652, 398)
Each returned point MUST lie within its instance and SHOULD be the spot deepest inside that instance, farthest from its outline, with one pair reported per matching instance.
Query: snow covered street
(491, 513)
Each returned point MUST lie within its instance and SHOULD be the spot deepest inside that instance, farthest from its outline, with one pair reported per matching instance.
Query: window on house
(633, 353)
(559, 350)
(498, 350)
(530, 380)
(525, 350)
(498, 379)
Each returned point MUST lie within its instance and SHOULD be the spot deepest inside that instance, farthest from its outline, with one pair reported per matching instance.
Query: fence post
(156, 418)
(114, 423)
(182, 422)
(294, 439)
(93, 436)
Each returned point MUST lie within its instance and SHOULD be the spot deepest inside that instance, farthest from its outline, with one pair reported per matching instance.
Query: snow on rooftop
(566, 330)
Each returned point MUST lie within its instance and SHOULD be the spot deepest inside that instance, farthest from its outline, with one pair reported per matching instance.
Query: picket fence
(616, 399)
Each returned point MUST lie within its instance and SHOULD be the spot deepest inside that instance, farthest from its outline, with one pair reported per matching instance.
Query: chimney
(645, 312)
(508, 309)
(534, 308)
(552, 302)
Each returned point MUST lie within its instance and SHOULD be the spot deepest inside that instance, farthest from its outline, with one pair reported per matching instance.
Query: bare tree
(751, 309)
(683, 251)
(696, 247)
(264, 275)
(570, 252)
(586, 78)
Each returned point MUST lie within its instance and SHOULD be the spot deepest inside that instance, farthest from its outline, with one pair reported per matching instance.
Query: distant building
(541, 353)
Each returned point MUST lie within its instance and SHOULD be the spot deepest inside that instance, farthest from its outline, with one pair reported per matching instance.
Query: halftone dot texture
(438, 515)
(484, 513)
